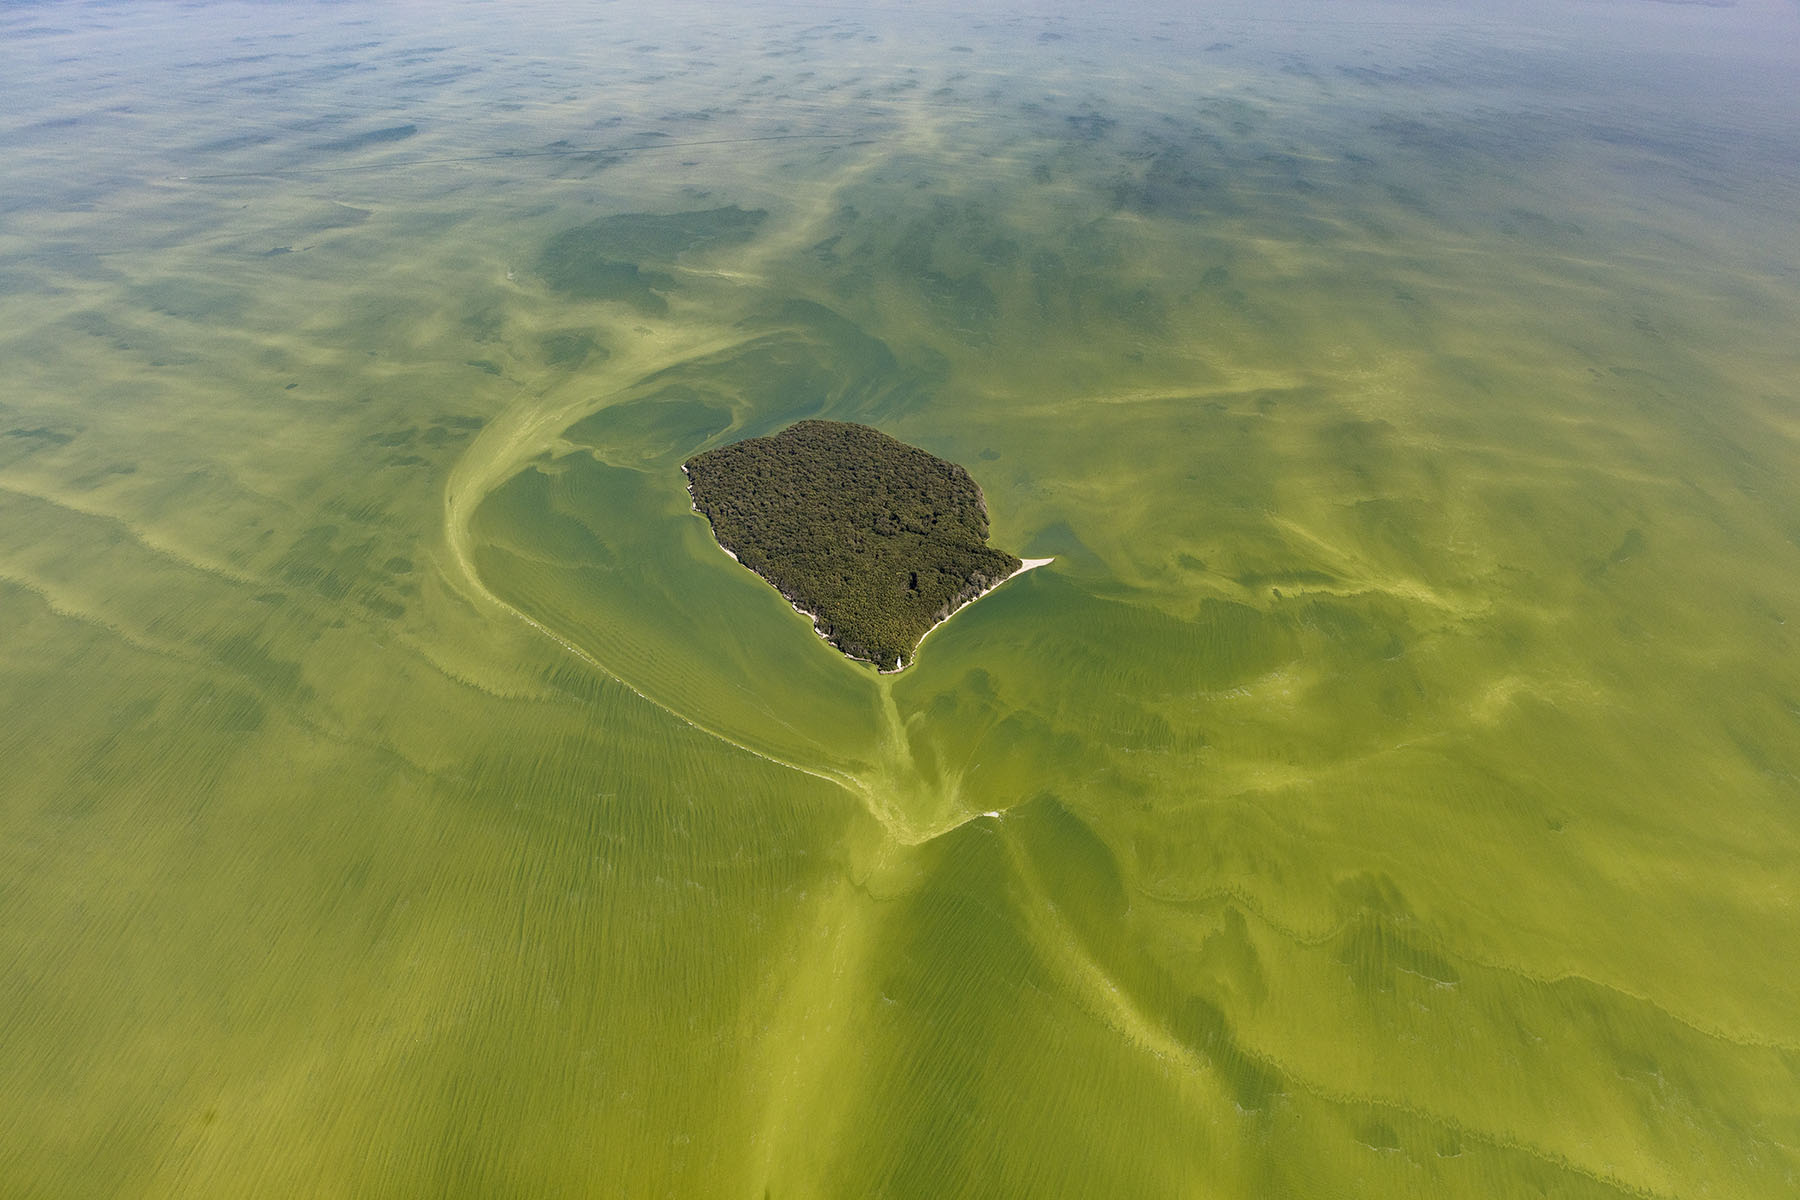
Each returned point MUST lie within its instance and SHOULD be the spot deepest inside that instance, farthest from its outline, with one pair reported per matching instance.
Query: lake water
(1392, 788)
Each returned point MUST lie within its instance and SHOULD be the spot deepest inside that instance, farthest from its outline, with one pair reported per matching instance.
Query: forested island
(874, 539)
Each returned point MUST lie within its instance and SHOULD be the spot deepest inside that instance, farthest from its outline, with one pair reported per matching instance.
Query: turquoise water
(1392, 788)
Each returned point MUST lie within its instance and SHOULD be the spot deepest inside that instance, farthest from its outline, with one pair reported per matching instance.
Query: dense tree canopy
(878, 540)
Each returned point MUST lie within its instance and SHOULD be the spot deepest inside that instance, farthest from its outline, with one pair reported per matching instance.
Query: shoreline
(1025, 564)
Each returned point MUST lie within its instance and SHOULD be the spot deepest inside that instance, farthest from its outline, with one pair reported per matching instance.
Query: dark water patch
(235, 60)
(42, 436)
(224, 145)
(1179, 182)
(1071, 860)
(311, 124)
(318, 562)
(1296, 578)
(437, 79)
(1151, 655)
(1203, 1027)
(1377, 950)
(528, 516)
(1060, 541)
(1378, 76)
(573, 161)
(1373, 892)
(329, 216)
(26, 134)
(808, 361)
(1631, 546)
(966, 304)
(227, 710)
(1537, 226)
(1229, 958)
(1364, 452)
(880, 383)
(379, 605)
(1142, 308)
(664, 237)
(189, 300)
(1091, 126)
(374, 137)
(575, 270)
(101, 475)
(1055, 287)
(485, 322)
(485, 365)
(323, 580)
(570, 348)
(1358, 628)
(944, 255)
(669, 423)
(957, 926)
(253, 660)
(441, 432)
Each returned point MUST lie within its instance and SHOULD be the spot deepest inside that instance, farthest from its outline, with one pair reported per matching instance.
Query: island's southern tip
(877, 541)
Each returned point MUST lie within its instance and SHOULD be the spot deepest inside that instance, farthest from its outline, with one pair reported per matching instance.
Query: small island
(875, 540)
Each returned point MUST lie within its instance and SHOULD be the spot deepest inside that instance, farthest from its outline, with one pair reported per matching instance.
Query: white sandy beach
(1025, 565)
(1028, 564)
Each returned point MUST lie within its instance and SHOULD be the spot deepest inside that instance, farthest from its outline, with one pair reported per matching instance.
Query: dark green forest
(877, 539)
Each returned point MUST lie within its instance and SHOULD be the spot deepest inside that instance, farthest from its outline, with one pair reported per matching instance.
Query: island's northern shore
(1025, 564)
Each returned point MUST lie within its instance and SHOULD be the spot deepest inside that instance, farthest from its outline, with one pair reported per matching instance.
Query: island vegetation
(874, 539)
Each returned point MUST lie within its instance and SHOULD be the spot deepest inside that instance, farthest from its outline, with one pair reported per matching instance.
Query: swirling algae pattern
(1389, 790)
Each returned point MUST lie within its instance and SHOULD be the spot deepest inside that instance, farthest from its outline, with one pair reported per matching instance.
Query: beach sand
(1028, 564)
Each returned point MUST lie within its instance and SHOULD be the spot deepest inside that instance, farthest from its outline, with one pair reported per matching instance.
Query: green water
(1392, 788)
